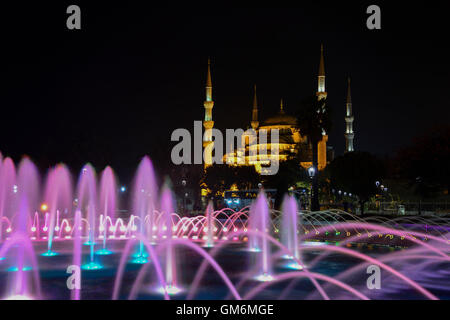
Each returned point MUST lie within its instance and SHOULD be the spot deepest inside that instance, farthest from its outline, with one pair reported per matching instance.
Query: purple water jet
(58, 196)
(259, 220)
(108, 198)
(210, 225)
(290, 229)
(8, 191)
(145, 195)
(166, 232)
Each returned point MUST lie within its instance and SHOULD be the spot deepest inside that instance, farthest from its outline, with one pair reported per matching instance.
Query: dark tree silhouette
(425, 164)
(357, 173)
(289, 174)
(219, 178)
(314, 118)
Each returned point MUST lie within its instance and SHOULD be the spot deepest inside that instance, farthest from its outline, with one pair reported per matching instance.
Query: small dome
(281, 119)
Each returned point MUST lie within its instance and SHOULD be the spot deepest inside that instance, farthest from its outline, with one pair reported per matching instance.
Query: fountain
(166, 233)
(58, 195)
(290, 230)
(87, 202)
(259, 221)
(241, 246)
(108, 196)
(209, 225)
(145, 194)
(8, 189)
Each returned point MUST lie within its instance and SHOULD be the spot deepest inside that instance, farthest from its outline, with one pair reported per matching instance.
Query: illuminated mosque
(291, 141)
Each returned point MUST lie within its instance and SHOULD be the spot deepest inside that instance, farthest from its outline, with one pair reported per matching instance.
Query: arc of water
(198, 250)
(392, 257)
(202, 268)
(290, 275)
(121, 268)
(22, 239)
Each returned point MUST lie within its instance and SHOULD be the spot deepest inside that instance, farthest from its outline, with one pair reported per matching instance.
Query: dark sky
(115, 90)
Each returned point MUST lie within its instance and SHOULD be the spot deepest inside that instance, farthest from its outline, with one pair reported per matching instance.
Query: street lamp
(311, 173)
(183, 183)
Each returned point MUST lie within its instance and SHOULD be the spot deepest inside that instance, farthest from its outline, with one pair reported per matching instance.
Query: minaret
(281, 106)
(321, 92)
(208, 123)
(255, 122)
(349, 134)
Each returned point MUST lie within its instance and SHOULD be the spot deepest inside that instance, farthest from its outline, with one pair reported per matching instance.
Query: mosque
(291, 141)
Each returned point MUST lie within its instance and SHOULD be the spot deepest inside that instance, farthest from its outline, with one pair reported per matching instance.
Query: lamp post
(311, 173)
(183, 183)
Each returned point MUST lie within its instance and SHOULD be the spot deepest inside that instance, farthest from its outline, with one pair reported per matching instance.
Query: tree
(314, 118)
(219, 178)
(424, 164)
(187, 179)
(357, 173)
(246, 177)
(289, 174)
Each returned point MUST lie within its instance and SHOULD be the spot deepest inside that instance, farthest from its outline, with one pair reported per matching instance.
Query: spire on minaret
(209, 103)
(349, 94)
(281, 106)
(321, 92)
(209, 83)
(349, 134)
(322, 63)
(255, 122)
(255, 98)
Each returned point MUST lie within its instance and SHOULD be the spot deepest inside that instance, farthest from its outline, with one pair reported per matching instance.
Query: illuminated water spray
(87, 197)
(108, 196)
(8, 192)
(166, 233)
(259, 221)
(144, 197)
(290, 229)
(209, 225)
(58, 194)
(77, 250)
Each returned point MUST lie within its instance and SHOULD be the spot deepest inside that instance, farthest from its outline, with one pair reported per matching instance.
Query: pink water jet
(289, 228)
(166, 232)
(259, 220)
(145, 197)
(108, 204)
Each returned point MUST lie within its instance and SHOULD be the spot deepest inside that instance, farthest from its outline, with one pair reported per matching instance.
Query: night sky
(115, 90)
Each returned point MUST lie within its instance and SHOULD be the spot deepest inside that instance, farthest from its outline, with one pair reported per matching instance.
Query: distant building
(349, 134)
(291, 141)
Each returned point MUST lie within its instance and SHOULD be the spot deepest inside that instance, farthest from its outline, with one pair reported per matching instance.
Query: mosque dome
(281, 118)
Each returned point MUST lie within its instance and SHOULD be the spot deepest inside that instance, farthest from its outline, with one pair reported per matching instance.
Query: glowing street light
(311, 172)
